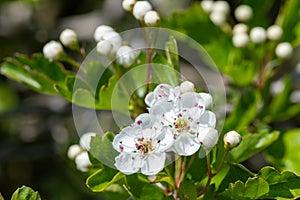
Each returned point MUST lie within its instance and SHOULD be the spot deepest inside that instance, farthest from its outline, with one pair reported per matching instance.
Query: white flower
(104, 47)
(218, 18)
(240, 28)
(85, 140)
(232, 139)
(284, 50)
(187, 86)
(100, 31)
(128, 4)
(162, 91)
(240, 40)
(187, 119)
(221, 7)
(140, 9)
(73, 151)
(151, 18)
(126, 55)
(274, 32)
(82, 161)
(207, 5)
(142, 146)
(52, 50)
(258, 35)
(243, 13)
(68, 37)
(114, 38)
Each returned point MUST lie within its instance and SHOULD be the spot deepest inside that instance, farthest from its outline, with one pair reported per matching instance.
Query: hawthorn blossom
(142, 146)
(162, 91)
(191, 124)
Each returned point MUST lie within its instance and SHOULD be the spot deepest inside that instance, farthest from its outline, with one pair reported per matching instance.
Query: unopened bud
(52, 50)
(126, 55)
(140, 9)
(243, 13)
(240, 40)
(258, 35)
(232, 139)
(187, 86)
(274, 32)
(82, 161)
(151, 18)
(85, 140)
(68, 37)
(100, 31)
(73, 151)
(104, 47)
(284, 50)
(128, 4)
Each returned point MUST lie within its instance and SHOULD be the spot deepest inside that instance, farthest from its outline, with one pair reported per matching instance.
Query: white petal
(149, 99)
(144, 120)
(166, 139)
(125, 141)
(128, 163)
(207, 98)
(208, 137)
(190, 100)
(153, 164)
(85, 140)
(208, 119)
(161, 108)
(185, 145)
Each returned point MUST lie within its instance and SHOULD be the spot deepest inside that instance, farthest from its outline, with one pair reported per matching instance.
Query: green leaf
(83, 97)
(11, 98)
(171, 50)
(102, 149)
(25, 193)
(151, 192)
(187, 190)
(103, 178)
(254, 188)
(285, 184)
(252, 144)
(1, 197)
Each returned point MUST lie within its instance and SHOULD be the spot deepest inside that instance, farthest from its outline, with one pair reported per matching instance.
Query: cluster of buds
(217, 10)
(53, 50)
(110, 44)
(142, 11)
(79, 152)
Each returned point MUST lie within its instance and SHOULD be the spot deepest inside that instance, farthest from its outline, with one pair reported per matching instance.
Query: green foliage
(187, 191)
(25, 193)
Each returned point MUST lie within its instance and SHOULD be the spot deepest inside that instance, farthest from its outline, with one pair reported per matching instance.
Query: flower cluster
(79, 152)
(178, 121)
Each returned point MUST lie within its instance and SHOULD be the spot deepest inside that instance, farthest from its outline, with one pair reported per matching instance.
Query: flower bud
(52, 50)
(221, 7)
(284, 50)
(218, 18)
(243, 13)
(208, 138)
(100, 31)
(140, 9)
(85, 140)
(73, 151)
(115, 39)
(258, 35)
(207, 5)
(274, 32)
(187, 86)
(126, 55)
(82, 161)
(104, 47)
(128, 4)
(240, 40)
(68, 37)
(232, 139)
(240, 28)
(151, 18)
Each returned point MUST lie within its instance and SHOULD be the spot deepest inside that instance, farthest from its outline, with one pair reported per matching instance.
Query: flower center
(181, 125)
(144, 147)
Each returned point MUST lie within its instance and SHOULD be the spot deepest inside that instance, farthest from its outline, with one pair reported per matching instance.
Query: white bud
(52, 50)
(208, 100)
(207, 5)
(68, 37)
(128, 4)
(104, 47)
(208, 137)
(240, 28)
(187, 86)
(243, 13)
(221, 7)
(126, 55)
(240, 40)
(295, 96)
(151, 18)
(140, 9)
(85, 140)
(115, 39)
(258, 35)
(82, 161)
(232, 139)
(274, 32)
(218, 18)
(276, 87)
(100, 31)
(73, 151)
(284, 50)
